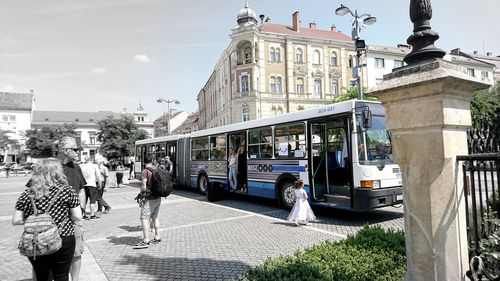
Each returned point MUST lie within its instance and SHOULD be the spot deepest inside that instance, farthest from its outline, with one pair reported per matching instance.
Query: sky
(107, 55)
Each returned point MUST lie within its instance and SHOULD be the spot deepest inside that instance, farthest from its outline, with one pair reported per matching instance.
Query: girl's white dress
(301, 211)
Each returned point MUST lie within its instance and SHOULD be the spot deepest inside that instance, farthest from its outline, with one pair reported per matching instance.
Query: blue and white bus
(341, 151)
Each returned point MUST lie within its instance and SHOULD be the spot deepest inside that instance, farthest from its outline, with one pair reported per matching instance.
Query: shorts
(91, 192)
(151, 208)
(78, 241)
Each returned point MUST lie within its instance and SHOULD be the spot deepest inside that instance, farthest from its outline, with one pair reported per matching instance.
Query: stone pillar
(427, 108)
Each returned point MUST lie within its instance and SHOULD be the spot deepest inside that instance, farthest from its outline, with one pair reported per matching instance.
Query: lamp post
(160, 100)
(359, 44)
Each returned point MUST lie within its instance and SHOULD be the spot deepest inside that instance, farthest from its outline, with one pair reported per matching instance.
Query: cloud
(98, 70)
(141, 58)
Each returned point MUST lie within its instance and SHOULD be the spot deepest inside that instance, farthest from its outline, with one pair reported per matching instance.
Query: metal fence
(481, 175)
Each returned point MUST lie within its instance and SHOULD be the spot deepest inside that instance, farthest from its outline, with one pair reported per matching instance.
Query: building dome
(246, 15)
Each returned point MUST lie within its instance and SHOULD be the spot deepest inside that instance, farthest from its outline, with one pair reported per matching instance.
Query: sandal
(156, 240)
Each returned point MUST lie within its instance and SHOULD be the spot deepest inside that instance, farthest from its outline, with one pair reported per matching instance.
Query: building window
(317, 87)
(274, 55)
(300, 107)
(333, 59)
(379, 63)
(350, 62)
(244, 83)
(484, 74)
(138, 118)
(470, 71)
(300, 85)
(92, 139)
(398, 63)
(275, 84)
(335, 87)
(316, 57)
(9, 118)
(245, 114)
(299, 56)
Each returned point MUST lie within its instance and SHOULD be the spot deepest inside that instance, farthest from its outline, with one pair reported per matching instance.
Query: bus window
(218, 147)
(290, 141)
(199, 149)
(337, 147)
(260, 144)
(374, 145)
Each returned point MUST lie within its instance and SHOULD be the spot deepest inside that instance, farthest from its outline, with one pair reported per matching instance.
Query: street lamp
(160, 100)
(359, 44)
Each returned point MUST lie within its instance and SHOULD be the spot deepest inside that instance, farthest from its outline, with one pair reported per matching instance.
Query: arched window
(335, 87)
(299, 55)
(316, 57)
(299, 86)
(317, 87)
(245, 114)
(333, 58)
(277, 55)
(271, 55)
(272, 84)
(248, 55)
(279, 87)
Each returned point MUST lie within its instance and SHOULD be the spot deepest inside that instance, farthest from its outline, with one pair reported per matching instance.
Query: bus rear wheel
(287, 195)
(202, 184)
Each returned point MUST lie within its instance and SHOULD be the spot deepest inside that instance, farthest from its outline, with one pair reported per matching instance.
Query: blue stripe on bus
(289, 168)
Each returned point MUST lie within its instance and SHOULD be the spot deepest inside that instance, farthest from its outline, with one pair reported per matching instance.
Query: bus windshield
(374, 144)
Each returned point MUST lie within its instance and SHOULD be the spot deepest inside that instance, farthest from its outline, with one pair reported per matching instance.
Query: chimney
(333, 28)
(475, 53)
(455, 52)
(312, 25)
(489, 54)
(296, 21)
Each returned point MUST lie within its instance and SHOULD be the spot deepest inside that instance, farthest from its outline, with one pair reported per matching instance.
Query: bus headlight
(370, 184)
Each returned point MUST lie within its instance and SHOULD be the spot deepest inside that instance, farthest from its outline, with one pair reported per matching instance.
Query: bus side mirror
(367, 118)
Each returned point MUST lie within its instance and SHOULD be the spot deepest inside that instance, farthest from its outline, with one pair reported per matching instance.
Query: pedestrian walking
(67, 153)
(233, 169)
(49, 191)
(301, 212)
(119, 174)
(103, 170)
(150, 207)
(93, 178)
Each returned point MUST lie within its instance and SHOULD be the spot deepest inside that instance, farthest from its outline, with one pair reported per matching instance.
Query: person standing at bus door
(233, 169)
(301, 212)
(242, 168)
(131, 174)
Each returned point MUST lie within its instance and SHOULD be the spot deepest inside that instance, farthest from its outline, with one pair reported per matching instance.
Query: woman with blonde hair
(48, 182)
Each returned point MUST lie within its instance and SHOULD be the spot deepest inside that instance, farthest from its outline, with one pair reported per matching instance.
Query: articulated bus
(341, 151)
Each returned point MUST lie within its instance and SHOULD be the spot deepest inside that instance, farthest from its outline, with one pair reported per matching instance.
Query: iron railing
(481, 175)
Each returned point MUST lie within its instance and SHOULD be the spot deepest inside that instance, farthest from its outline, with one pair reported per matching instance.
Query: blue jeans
(233, 177)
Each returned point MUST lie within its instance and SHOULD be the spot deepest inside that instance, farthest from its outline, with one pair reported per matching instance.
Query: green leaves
(118, 136)
(372, 254)
(41, 140)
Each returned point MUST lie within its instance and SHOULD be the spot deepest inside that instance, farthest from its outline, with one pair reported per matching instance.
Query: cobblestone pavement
(200, 240)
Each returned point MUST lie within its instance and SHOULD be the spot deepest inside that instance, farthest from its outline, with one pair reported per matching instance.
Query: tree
(485, 108)
(118, 136)
(6, 142)
(40, 141)
(352, 93)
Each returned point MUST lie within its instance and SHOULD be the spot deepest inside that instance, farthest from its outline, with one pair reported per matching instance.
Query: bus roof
(326, 110)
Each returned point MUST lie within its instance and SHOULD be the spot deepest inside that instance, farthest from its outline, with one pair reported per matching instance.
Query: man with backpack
(151, 207)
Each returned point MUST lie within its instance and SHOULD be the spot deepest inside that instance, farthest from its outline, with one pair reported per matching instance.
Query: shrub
(372, 254)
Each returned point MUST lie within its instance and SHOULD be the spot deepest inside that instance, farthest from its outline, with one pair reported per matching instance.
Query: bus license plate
(399, 197)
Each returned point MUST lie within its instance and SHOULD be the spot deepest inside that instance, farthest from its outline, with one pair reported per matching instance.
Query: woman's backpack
(41, 235)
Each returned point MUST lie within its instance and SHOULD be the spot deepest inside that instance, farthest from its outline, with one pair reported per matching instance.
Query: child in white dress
(301, 212)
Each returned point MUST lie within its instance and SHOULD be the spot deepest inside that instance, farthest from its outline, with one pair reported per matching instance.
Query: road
(200, 240)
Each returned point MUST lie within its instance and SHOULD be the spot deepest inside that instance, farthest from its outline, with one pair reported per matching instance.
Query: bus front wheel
(287, 192)
(202, 184)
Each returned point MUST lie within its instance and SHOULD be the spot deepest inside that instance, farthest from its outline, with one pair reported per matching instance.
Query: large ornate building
(269, 69)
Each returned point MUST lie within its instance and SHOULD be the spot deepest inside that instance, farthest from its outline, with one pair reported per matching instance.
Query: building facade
(174, 119)
(270, 69)
(189, 126)
(16, 113)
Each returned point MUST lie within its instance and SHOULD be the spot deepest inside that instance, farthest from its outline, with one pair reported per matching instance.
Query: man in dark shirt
(67, 152)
